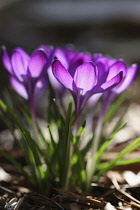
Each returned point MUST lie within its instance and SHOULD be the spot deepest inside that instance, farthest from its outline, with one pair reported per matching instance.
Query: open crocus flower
(70, 60)
(86, 80)
(27, 74)
(128, 76)
(127, 79)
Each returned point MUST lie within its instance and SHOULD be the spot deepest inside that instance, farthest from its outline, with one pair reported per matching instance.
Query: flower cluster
(87, 77)
(83, 74)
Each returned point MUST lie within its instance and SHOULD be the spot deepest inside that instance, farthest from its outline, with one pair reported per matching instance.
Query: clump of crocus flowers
(89, 78)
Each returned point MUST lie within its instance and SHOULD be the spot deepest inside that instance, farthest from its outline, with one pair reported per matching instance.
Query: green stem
(91, 162)
(67, 150)
(68, 167)
(33, 117)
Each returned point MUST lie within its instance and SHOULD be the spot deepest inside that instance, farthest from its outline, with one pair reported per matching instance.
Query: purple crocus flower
(111, 67)
(128, 79)
(85, 80)
(110, 64)
(128, 76)
(27, 74)
(70, 60)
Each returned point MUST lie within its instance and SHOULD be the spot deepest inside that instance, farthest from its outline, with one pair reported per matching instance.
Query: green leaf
(36, 167)
(134, 145)
(87, 147)
(104, 146)
(66, 148)
(3, 106)
(127, 162)
(79, 133)
(52, 139)
(118, 163)
(112, 110)
(80, 173)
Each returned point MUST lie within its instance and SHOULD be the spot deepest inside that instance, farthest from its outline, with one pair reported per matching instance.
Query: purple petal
(62, 75)
(6, 60)
(37, 63)
(49, 52)
(60, 55)
(54, 82)
(77, 60)
(85, 76)
(107, 61)
(19, 63)
(129, 78)
(25, 57)
(112, 82)
(69, 53)
(98, 58)
(111, 61)
(21, 51)
(115, 69)
(102, 74)
(18, 87)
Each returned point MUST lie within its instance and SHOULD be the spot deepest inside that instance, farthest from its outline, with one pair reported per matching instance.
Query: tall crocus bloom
(85, 80)
(27, 73)
(128, 76)
(70, 59)
(110, 67)
(127, 80)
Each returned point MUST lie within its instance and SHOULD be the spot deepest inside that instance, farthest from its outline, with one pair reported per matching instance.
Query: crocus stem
(66, 150)
(91, 162)
(33, 117)
(75, 126)
(68, 171)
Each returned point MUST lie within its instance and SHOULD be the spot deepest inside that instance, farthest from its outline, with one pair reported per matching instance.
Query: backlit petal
(62, 75)
(115, 69)
(60, 55)
(102, 74)
(18, 87)
(78, 60)
(112, 82)
(54, 82)
(85, 76)
(129, 78)
(25, 56)
(19, 64)
(6, 60)
(37, 63)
